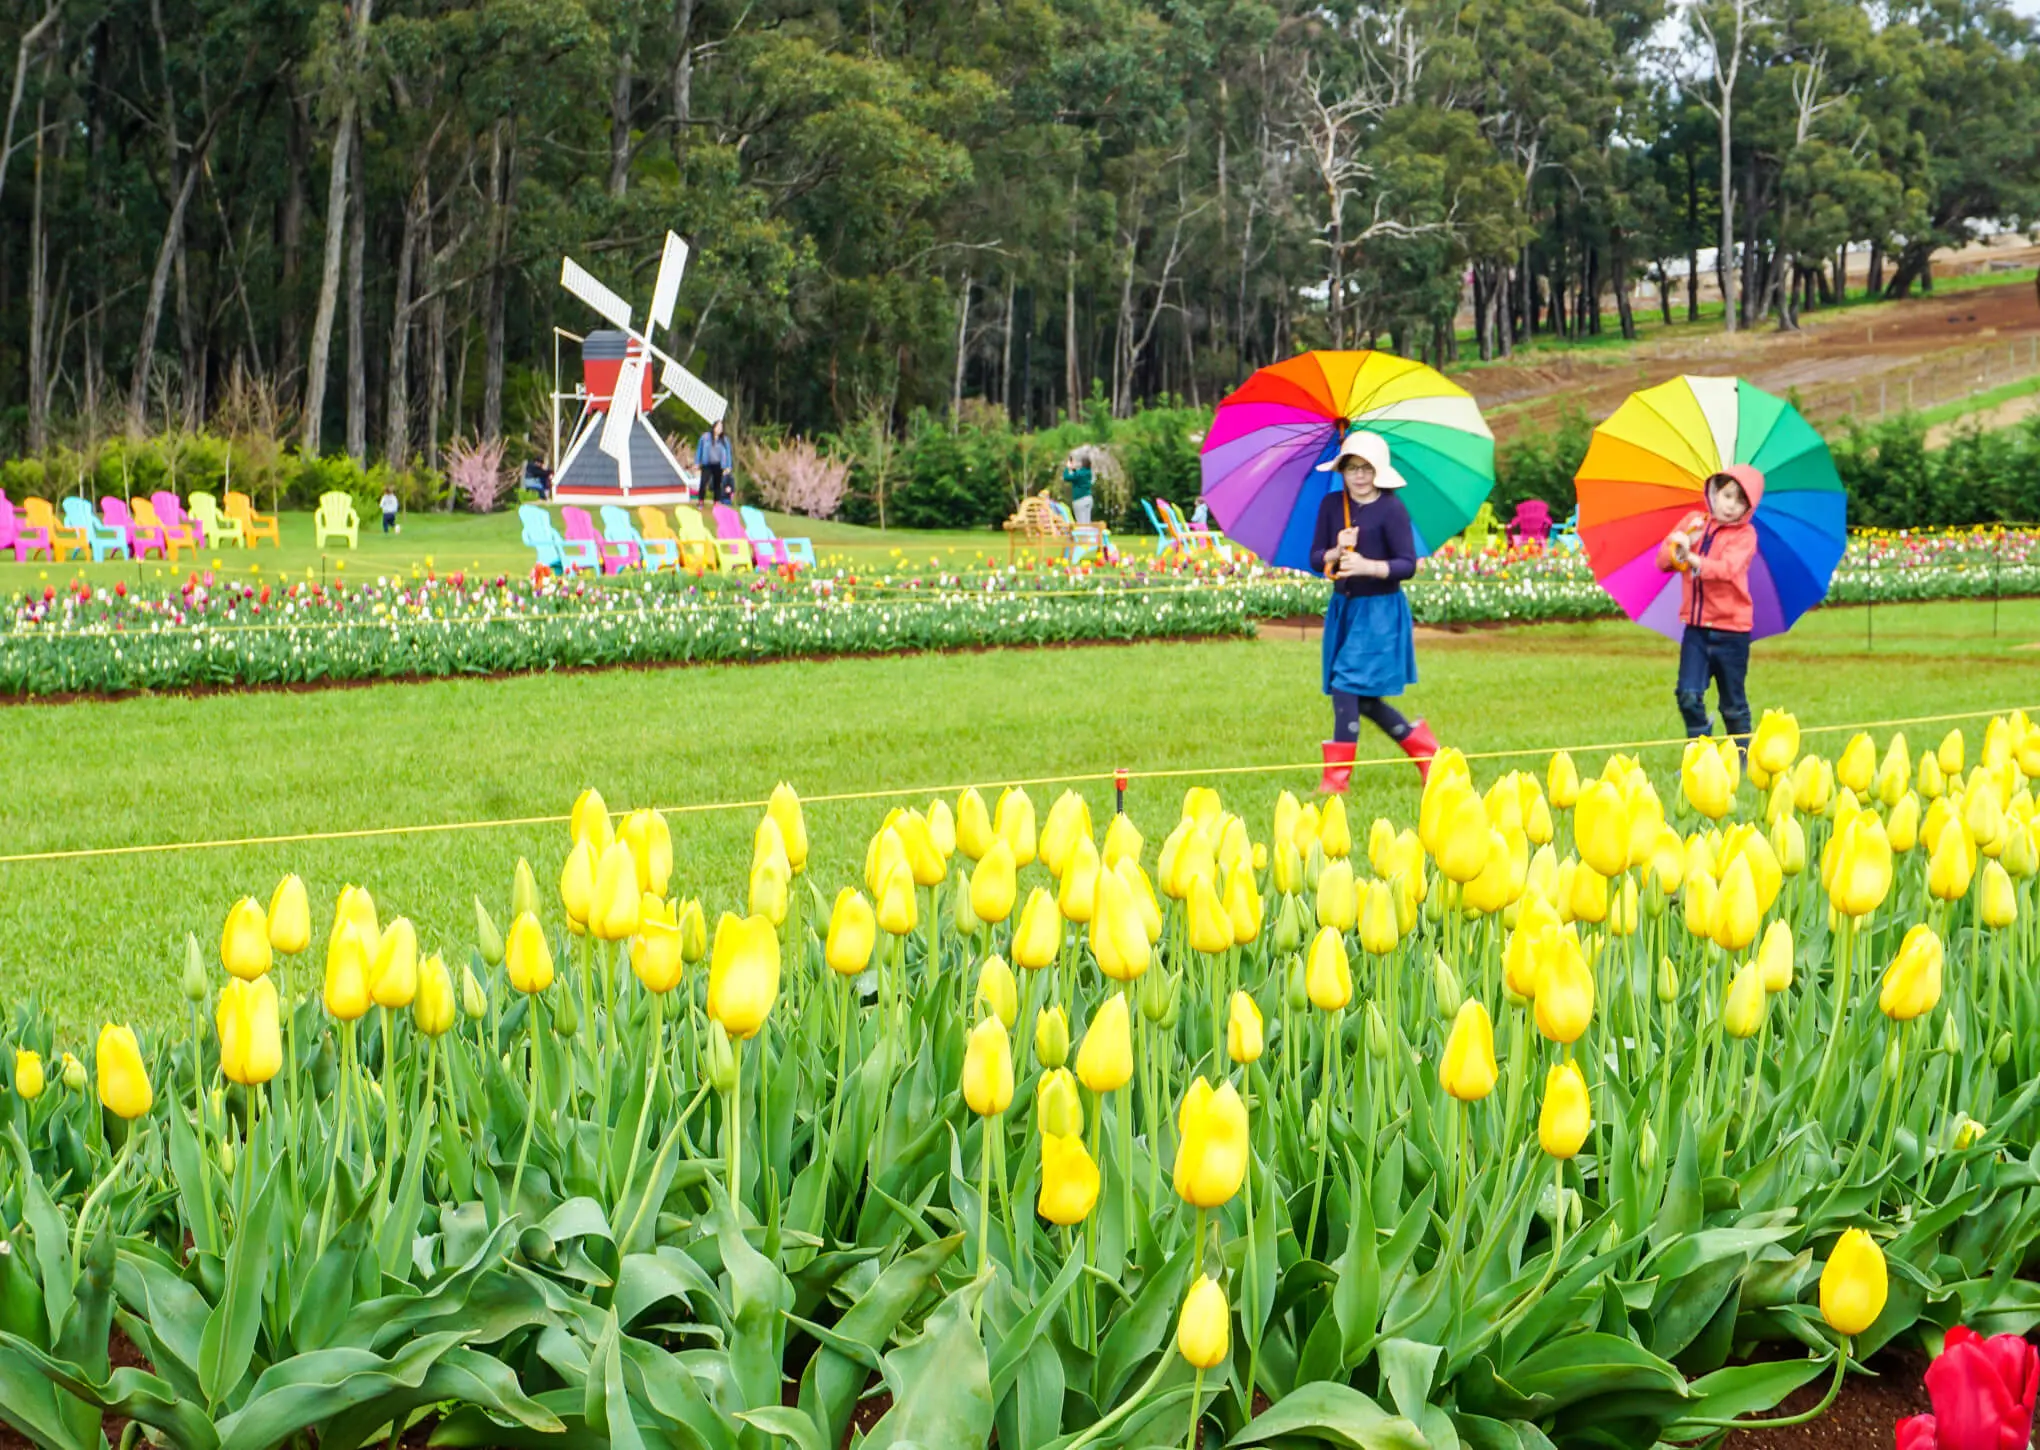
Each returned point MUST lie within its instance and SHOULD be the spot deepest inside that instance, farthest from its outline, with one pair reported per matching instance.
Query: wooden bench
(1036, 525)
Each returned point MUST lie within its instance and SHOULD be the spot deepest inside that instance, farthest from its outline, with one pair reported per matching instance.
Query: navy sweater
(1385, 534)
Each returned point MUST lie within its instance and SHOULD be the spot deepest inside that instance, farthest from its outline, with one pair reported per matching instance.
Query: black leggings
(1347, 710)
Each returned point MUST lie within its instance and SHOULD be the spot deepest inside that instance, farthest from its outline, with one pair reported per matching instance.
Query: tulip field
(1575, 1104)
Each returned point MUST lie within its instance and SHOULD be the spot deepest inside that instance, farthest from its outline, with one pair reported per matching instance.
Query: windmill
(615, 455)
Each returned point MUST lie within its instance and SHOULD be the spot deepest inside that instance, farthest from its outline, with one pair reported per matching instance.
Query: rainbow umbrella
(1647, 466)
(1269, 436)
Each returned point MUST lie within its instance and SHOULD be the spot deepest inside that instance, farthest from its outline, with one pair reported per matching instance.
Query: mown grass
(103, 936)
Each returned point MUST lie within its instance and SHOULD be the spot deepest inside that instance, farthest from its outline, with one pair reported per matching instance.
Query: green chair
(337, 519)
(220, 530)
(1478, 536)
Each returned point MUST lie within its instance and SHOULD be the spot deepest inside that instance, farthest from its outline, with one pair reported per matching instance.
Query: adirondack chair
(1165, 542)
(580, 528)
(794, 551)
(1192, 537)
(102, 538)
(1566, 536)
(1478, 537)
(337, 518)
(24, 539)
(656, 538)
(172, 513)
(142, 539)
(175, 540)
(618, 529)
(1532, 520)
(699, 549)
(65, 539)
(255, 527)
(222, 529)
(1035, 525)
(729, 531)
(543, 539)
(1084, 538)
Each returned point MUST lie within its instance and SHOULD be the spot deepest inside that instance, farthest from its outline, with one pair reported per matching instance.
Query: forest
(339, 226)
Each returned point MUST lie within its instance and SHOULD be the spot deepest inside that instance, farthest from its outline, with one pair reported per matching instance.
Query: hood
(1752, 481)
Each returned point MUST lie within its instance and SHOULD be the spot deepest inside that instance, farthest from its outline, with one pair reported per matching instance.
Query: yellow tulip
(919, 844)
(1210, 929)
(1857, 766)
(290, 917)
(435, 1009)
(244, 941)
(1949, 756)
(29, 1079)
(645, 835)
(1567, 1115)
(1077, 890)
(1051, 1037)
(1119, 938)
(657, 952)
(123, 1078)
(1243, 905)
(1328, 979)
(1334, 835)
(1204, 1328)
(613, 909)
(1379, 930)
(1932, 784)
(1562, 781)
(1646, 815)
(1015, 823)
(1774, 957)
(1588, 897)
(1563, 985)
(1667, 860)
(1211, 1151)
(1245, 1034)
(1743, 1011)
(1468, 1070)
(853, 929)
(1813, 785)
(1862, 876)
(1952, 866)
(693, 924)
(1143, 892)
(1853, 1283)
(1775, 745)
(1998, 905)
(988, 1069)
(251, 1047)
(590, 821)
(346, 987)
(526, 956)
(994, 884)
(1105, 1056)
(785, 809)
(1519, 957)
(393, 977)
(1788, 845)
(997, 992)
(1194, 859)
(770, 891)
(1537, 822)
(1069, 1180)
(1894, 774)
(1984, 814)
(1698, 904)
(743, 974)
(941, 826)
(1703, 781)
(1058, 1108)
(1737, 914)
(898, 908)
(1068, 818)
(1288, 867)
(1122, 841)
(974, 832)
(1912, 983)
(1464, 839)
(1622, 909)
(577, 885)
(1501, 878)
(1201, 803)
(1337, 897)
(1038, 936)
(1305, 834)
(1601, 828)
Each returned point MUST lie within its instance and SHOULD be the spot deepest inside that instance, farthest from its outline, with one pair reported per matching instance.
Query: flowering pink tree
(797, 478)
(476, 469)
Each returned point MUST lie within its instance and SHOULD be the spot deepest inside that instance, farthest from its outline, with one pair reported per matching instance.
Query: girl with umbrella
(1364, 544)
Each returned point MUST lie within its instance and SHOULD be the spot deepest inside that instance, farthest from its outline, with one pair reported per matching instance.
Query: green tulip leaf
(940, 1381)
(782, 1422)
(228, 1343)
(1331, 1414)
(1744, 1389)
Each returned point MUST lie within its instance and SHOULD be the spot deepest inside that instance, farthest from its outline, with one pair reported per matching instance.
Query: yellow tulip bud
(1563, 985)
(1998, 905)
(1143, 893)
(1562, 781)
(1853, 1283)
(123, 1078)
(1105, 1057)
(1243, 905)
(347, 963)
(435, 1009)
(1337, 896)
(1736, 912)
(898, 908)
(1567, 1115)
(1984, 814)
(769, 894)
(1051, 1037)
(1068, 818)
(1038, 936)
(1334, 835)
(743, 974)
(1467, 1071)
(590, 821)
(244, 941)
(290, 917)
(974, 833)
(1015, 824)
(1857, 766)
(474, 1002)
(1077, 889)
(1069, 1180)
(1813, 785)
(1704, 782)
(853, 929)
(994, 884)
(527, 956)
(1244, 1037)
(1912, 983)
(251, 1047)
(29, 1079)
(1119, 938)
(393, 977)
(988, 1069)
(1743, 1011)
(1464, 839)
(1328, 978)
(1949, 755)
(1204, 1328)
(923, 859)
(1211, 1152)
(577, 885)
(997, 992)
(1775, 745)
(1380, 931)
(1058, 1108)
(645, 836)
(1601, 828)
(1587, 898)
(1774, 957)
(1862, 874)
(785, 809)
(656, 956)
(1951, 866)
(1122, 841)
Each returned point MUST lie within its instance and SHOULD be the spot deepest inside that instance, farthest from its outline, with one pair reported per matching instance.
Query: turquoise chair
(1566, 536)
(618, 529)
(556, 552)
(1164, 540)
(1085, 538)
(792, 551)
(101, 537)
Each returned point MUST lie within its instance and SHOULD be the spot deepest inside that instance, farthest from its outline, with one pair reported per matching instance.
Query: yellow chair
(220, 529)
(64, 542)
(175, 539)
(700, 550)
(254, 527)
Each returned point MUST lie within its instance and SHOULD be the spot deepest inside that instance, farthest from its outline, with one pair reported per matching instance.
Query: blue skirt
(1370, 645)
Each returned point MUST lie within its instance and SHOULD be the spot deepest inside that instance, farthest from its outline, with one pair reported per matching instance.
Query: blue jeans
(1722, 656)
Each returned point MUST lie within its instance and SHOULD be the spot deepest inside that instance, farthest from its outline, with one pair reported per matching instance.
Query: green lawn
(103, 936)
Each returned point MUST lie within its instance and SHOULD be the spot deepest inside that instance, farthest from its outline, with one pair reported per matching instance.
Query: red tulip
(1916, 1432)
(1983, 1391)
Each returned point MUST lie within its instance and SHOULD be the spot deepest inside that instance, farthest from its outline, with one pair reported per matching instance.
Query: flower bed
(1572, 1113)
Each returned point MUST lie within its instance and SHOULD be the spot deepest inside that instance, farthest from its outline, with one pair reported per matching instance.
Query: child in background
(1713, 550)
(389, 511)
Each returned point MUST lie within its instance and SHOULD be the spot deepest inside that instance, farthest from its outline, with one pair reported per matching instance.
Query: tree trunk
(357, 327)
(502, 166)
(1619, 260)
(1480, 312)
(1841, 274)
(397, 371)
(682, 81)
(1006, 354)
(159, 285)
(962, 338)
(1070, 360)
(1726, 260)
(619, 124)
(1875, 282)
(38, 279)
(290, 229)
(336, 228)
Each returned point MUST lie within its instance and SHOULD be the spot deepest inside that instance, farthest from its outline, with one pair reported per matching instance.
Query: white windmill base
(589, 476)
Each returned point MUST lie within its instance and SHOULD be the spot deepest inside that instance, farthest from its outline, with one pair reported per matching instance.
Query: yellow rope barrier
(896, 793)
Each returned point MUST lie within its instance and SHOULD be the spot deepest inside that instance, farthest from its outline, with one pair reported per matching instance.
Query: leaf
(230, 1330)
(1135, 1334)
(52, 1244)
(461, 1375)
(311, 1389)
(1332, 1414)
(1019, 1341)
(1683, 1306)
(643, 1280)
(1744, 1389)
(758, 1294)
(783, 1422)
(1408, 1368)
(941, 1385)
(400, 1222)
(1581, 1366)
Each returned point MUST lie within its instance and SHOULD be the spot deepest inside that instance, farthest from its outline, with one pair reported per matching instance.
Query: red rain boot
(1420, 745)
(1338, 767)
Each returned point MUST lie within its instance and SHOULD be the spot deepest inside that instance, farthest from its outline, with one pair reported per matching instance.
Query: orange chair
(254, 527)
(64, 542)
(175, 539)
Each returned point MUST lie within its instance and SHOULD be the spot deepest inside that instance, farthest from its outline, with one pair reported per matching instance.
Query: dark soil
(1863, 1417)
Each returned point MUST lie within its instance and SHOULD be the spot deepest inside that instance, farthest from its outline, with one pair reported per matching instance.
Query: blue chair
(1164, 540)
(558, 553)
(1084, 538)
(618, 529)
(1566, 536)
(793, 551)
(103, 537)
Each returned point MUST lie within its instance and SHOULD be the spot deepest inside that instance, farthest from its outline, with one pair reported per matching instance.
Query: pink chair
(1532, 521)
(26, 542)
(729, 524)
(170, 509)
(141, 539)
(580, 528)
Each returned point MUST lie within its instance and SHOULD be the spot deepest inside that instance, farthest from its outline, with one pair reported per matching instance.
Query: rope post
(1119, 790)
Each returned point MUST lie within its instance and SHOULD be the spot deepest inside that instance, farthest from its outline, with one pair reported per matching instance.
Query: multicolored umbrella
(1261, 456)
(1648, 465)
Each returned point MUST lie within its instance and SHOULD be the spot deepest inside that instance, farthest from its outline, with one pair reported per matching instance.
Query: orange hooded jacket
(1715, 593)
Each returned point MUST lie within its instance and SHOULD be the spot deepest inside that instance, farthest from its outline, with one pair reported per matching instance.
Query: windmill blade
(672, 262)
(692, 391)
(577, 280)
(623, 408)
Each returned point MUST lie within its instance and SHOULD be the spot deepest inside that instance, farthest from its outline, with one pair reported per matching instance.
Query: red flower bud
(1983, 1391)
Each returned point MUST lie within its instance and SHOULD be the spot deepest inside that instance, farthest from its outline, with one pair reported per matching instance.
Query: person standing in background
(712, 457)
(1077, 474)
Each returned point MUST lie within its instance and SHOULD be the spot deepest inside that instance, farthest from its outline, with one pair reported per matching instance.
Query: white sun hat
(1372, 447)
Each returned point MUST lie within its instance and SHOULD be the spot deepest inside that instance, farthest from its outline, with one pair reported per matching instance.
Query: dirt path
(2004, 415)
